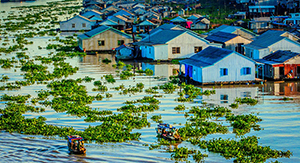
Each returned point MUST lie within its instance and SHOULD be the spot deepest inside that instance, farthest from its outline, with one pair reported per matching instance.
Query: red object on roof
(189, 24)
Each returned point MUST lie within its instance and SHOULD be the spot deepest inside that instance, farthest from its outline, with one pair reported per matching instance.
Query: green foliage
(18, 98)
(137, 109)
(244, 150)
(149, 72)
(109, 78)
(246, 100)
(126, 74)
(168, 88)
(243, 123)
(179, 108)
(156, 118)
(107, 61)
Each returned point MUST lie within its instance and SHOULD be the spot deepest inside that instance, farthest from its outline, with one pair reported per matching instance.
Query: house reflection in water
(163, 69)
(97, 61)
(226, 96)
(283, 88)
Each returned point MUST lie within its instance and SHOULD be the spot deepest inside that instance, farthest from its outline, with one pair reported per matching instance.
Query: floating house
(76, 24)
(281, 65)
(103, 38)
(219, 65)
(270, 42)
(229, 41)
(170, 44)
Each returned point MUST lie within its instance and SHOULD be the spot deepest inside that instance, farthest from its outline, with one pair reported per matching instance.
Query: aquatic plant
(287, 98)
(109, 78)
(4, 78)
(179, 108)
(126, 74)
(246, 100)
(234, 105)
(101, 88)
(137, 109)
(146, 99)
(156, 118)
(88, 79)
(244, 150)
(18, 98)
(151, 91)
(108, 95)
(168, 88)
(243, 123)
(107, 61)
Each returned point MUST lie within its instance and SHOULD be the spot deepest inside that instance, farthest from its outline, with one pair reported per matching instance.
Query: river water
(281, 119)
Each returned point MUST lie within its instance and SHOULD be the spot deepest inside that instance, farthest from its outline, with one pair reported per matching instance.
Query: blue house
(219, 65)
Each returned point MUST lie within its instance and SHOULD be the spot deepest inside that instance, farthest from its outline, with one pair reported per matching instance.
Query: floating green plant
(109, 78)
(244, 150)
(246, 100)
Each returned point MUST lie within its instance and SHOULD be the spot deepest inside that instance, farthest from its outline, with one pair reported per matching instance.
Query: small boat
(167, 131)
(76, 144)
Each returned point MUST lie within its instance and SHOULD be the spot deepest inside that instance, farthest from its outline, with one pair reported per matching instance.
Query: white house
(219, 65)
(225, 96)
(170, 44)
(77, 23)
(270, 42)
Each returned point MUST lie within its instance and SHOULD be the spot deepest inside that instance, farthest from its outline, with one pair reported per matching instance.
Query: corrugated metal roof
(211, 55)
(163, 27)
(161, 37)
(146, 22)
(80, 17)
(92, 12)
(231, 29)
(101, 29)
(97, 30)
(176, 27)
(123, 12)
(178, 19)
(207, 57)
(266, 62)
(109, 22)
(194, 17)
(221, 37)
(194, 63)
(266, 39)
(281, 56)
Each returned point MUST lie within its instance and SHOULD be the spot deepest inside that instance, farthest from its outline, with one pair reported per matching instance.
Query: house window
(175, 50)
(223, 71)
(83, 25)
(120, 42)
(101, 43)
(245, 94)
(197, 49)
(224, 98)
(245, 71)
(73, 25)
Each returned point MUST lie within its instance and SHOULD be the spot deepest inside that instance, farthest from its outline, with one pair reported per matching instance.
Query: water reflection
(226, 96)
(162, 69)
(283, 88)
(96, 61)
